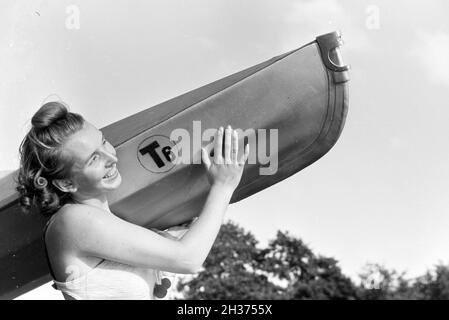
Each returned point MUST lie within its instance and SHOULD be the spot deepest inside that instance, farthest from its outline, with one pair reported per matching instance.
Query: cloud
(432, 52)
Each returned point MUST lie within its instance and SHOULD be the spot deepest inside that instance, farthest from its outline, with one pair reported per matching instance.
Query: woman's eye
(104, 141)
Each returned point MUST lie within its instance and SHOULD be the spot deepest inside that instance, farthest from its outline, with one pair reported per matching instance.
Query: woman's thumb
(205, 158)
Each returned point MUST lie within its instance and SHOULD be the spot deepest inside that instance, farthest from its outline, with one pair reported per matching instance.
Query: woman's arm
(90, 231)
(201, 236)
(224, 173)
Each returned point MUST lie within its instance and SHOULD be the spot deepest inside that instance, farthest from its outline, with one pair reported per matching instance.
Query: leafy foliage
(288, 269)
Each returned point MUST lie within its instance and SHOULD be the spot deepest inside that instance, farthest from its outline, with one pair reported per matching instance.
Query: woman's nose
(111, 157)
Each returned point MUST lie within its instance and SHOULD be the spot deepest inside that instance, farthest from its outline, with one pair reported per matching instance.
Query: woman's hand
(224, 169)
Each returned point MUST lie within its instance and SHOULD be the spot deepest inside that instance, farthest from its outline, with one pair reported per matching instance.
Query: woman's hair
(42, 160)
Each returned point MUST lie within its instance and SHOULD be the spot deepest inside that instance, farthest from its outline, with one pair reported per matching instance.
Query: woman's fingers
(210, 148)
(245, 155)
(235, 146)
(227, 154)
(205, 158)
(228, 145)
(218, 149)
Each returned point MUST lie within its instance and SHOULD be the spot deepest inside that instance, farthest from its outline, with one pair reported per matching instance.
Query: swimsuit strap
(45, 246)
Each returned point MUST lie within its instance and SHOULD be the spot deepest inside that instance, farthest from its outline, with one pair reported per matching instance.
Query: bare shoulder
(74, 215)
(72, 228)
(73, 221)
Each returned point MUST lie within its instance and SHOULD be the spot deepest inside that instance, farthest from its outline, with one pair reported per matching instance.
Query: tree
(231, 270)
(380, 283)
(286, 269)
(434, 285)
(309, 276)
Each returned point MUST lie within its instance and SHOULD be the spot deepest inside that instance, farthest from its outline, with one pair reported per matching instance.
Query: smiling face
(94, 171)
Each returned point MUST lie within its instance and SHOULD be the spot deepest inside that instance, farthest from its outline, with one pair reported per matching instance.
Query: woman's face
(94, 170)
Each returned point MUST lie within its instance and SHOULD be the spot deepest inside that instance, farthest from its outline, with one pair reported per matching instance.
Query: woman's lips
(111, 174)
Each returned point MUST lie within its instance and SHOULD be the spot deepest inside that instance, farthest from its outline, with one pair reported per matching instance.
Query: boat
(293, 105)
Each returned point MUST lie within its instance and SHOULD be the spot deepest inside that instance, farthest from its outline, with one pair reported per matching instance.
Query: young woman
(67, 169)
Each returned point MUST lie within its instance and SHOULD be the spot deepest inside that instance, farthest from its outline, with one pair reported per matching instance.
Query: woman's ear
(65, 185)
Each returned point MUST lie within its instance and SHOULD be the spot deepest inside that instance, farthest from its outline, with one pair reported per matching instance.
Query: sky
(380, 195)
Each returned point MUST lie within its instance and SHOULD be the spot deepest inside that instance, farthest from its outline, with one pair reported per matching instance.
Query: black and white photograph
(224, 150)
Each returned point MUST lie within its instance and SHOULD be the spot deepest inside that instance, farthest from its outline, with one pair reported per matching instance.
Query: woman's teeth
(111, 173)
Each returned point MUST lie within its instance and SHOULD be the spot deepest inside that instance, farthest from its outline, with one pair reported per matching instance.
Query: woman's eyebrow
(101, 142)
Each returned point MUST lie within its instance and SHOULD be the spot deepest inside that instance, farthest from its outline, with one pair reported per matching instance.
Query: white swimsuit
(111, 280)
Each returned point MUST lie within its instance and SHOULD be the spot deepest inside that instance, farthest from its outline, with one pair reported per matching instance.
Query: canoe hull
(300, 97)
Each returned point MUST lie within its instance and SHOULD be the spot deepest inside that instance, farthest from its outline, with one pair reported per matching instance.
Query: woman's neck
(99, 202)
